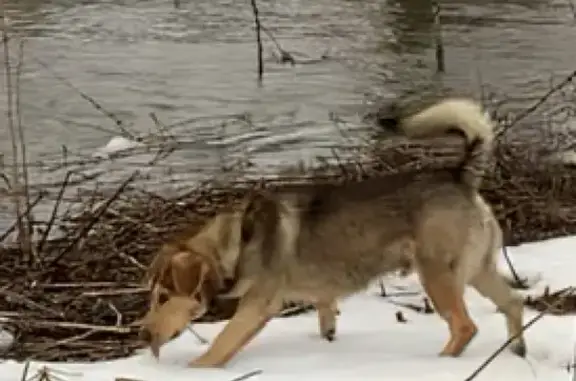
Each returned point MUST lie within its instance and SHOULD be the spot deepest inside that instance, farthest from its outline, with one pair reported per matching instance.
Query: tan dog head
(183, 282)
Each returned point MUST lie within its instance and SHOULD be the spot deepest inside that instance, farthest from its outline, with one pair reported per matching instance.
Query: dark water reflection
(142, 56)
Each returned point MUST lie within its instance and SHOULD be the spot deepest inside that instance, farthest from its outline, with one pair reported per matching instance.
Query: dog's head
(182, 282)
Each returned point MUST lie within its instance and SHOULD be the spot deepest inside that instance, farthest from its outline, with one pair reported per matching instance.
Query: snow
(116, 145)
(370, 343)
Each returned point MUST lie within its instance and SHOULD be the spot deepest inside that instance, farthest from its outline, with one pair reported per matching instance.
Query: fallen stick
(68, 340)
(65, 325)
(86, 285)
(30, 303)
(500, 349)
(247, 375)
(122, 291)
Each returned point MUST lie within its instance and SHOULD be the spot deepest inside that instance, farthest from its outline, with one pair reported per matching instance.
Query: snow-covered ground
(371, 344)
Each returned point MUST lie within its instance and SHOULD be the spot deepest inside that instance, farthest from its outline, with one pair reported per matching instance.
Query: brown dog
(327, 241)
(187, 274)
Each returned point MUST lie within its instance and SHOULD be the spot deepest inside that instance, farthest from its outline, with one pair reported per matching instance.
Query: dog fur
(189, 272)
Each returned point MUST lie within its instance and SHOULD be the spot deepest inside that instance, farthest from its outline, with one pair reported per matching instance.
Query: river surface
(194, 68)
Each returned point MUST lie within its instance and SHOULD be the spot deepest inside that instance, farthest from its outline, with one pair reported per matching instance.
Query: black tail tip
(386, 117)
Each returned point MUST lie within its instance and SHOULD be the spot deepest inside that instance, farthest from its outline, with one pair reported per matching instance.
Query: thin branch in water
(439, 45)
(555, 89)
(12, 130)
(260, 53)
(572, 9)
(28, 219)
(119, 123)
(285, 56)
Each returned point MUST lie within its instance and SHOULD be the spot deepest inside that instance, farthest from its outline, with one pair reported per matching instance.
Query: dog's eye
(162, 298)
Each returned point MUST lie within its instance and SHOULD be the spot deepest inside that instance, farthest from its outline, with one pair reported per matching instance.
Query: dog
(188, 273)
(323, 242)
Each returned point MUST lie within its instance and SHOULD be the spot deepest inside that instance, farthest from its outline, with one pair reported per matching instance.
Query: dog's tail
(465, 116)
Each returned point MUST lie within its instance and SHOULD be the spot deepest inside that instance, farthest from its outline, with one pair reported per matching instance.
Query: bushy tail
(460, 114)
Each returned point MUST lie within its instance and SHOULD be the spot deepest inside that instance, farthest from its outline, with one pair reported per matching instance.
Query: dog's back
(351, 234)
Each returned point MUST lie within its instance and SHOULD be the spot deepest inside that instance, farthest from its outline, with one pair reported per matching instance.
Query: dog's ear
(156, 269)
(187, 273)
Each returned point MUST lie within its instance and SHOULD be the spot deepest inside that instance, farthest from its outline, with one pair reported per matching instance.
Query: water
(196, 66)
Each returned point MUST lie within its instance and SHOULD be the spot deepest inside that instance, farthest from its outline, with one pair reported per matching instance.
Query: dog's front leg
(254, 311)
(327, 312)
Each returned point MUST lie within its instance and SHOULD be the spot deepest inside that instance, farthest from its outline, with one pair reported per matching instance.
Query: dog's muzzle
(154, 341)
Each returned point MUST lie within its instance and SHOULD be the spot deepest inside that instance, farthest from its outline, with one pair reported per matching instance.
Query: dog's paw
(329, 335)
(518, 347)
(204, 362)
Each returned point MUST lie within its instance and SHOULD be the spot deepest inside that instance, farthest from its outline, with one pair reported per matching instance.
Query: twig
(122, 291)
(87, 285)
(382, 288)
(497, 352)
(247, 375)
(440, 66)
(410, 306)
(45, 374)
(27, 233)
(518, 283)
(259, 46)
(15, 224)
(285, 56)
(133, 261)
(12, 130)
(25, 371)
(30, 303)
(119, 123)
(566, 81)
(296, 310)
(65, 325)
(54, 212)
(117, 312)
(400, 317)
(65, 341)
(94, 220)
(572, 9)
(201, 339)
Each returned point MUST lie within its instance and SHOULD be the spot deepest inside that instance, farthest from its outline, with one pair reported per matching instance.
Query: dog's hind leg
(327, 312)
(446, 293)
(253, 313)
(492, 285)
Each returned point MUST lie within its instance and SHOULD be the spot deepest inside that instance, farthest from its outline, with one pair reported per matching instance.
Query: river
(194, 68)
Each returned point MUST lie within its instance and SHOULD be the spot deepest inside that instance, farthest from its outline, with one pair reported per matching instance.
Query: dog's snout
(145, 335)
